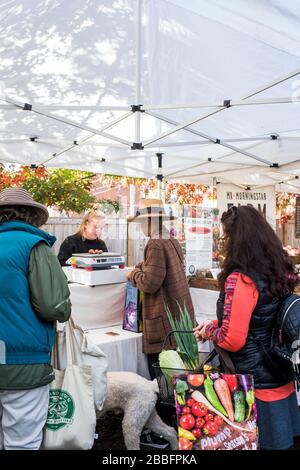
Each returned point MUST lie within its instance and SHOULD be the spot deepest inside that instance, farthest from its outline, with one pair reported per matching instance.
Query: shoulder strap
(225, 360)
(274, 368)
(285, 315)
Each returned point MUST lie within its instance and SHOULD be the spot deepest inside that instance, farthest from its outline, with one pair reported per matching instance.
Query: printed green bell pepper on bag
(212, 396)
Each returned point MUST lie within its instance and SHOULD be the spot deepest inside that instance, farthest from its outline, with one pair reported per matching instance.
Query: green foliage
(68, 190)
(108, 206)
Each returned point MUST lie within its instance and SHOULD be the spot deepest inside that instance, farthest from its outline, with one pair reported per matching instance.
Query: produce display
(215, 411)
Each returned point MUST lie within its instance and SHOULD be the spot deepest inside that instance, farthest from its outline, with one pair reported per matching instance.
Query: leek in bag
(187, 346)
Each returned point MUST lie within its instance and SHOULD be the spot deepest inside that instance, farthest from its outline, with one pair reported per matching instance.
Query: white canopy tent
(107, 86)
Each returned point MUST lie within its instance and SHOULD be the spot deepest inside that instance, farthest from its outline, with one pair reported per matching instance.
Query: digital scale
(91, 262)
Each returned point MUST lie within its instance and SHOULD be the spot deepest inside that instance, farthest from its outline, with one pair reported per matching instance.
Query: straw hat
(151, 208)
(20, 197)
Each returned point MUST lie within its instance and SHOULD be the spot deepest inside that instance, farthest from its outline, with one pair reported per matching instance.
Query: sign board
(199, 243)
(263, 199)
(297, 218)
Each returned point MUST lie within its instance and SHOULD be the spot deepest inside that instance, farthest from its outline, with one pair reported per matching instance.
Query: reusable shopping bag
(215, 411)
(132, 310)
(85, 352)
(71, 419)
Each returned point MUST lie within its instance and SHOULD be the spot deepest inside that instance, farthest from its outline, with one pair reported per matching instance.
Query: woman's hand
(199, 331)
(95, 252)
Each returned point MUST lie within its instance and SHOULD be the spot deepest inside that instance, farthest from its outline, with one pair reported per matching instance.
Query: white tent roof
(218, 81)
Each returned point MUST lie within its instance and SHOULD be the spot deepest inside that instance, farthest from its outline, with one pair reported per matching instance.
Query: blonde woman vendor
(86, 240)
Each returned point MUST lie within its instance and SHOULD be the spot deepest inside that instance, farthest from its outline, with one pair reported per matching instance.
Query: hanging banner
(263, 199)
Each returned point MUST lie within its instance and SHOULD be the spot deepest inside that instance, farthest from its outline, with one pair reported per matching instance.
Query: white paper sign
(199, 243)
(263, 199)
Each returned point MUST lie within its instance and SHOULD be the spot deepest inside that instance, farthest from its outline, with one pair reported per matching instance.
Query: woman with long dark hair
(256, 274)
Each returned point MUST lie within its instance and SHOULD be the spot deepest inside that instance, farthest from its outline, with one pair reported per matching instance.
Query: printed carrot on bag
(223, 393)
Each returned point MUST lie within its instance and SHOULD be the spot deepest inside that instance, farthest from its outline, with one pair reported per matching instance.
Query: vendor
(86, 240)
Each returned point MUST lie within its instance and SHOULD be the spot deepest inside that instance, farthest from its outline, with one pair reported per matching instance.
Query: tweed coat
(161, 278)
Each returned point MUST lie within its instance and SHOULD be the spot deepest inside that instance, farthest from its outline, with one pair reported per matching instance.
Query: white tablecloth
(123, 350)
(99, 306)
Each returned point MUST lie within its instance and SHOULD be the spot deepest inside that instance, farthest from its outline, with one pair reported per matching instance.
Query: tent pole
(76, 143)
(265, 101)
(36, 110)
(138, 39)
(227, 104)
(159, 177)
(204, 142)
(205, 136)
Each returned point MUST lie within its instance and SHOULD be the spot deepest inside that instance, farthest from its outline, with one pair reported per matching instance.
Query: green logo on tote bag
(60, 410)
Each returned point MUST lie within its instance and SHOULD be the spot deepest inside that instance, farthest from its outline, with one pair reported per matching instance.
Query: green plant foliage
(68, 190)
(108, 206)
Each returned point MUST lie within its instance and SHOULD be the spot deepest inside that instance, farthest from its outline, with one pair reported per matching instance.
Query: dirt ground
(109, 429)
(110, 436)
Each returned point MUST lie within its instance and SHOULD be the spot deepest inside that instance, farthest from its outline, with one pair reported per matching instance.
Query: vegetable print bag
(215, 411)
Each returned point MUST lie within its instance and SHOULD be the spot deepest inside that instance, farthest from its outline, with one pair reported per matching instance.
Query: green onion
(187, 346)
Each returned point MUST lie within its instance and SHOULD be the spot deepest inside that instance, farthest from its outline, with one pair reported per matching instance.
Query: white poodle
(137, 397)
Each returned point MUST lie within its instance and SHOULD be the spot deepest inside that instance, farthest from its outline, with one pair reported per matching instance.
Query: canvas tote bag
(71, 419)
(86, 352)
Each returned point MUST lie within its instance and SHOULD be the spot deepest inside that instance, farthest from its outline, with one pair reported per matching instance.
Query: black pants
(152, 359)
(166, 412)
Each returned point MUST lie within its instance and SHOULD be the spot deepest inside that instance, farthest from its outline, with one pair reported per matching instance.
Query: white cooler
(96, 277)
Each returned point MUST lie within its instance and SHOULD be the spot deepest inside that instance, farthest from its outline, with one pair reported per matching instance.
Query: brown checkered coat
(162, 279)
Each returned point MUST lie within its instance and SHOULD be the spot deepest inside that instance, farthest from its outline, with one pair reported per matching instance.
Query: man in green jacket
(33, 295)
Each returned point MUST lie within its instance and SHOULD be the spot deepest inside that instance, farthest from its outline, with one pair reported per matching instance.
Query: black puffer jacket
(250, 359)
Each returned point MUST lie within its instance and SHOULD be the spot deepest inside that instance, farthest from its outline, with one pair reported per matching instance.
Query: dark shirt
(76, 244)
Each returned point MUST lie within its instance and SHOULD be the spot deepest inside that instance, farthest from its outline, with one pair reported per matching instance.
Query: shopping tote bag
(215, 411)
(85, 352)
(71, 419)
(132, 310)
